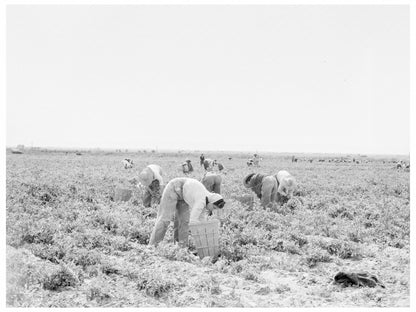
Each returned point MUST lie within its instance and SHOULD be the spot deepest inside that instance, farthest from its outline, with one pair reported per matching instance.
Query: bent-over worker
(286, 184)
(209, 164)
(187, 167)
(186, 200)
(264, 186)
(212, 182)
(151, 178)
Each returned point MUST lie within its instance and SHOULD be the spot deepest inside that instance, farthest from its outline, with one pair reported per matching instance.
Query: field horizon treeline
(197, 152)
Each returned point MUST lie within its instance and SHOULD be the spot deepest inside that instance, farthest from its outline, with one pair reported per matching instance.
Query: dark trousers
(181, 223)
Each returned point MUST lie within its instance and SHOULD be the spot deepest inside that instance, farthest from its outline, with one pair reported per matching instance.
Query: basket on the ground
(246, 199)
(206, 238)
(122, 194)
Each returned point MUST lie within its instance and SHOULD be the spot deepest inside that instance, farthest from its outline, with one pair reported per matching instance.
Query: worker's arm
(197, 212)
(281, 190)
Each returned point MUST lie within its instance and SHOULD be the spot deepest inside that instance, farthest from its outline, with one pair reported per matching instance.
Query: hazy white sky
(267, 78)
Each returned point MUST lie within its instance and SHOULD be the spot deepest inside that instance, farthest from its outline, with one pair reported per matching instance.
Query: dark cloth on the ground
(357, 279)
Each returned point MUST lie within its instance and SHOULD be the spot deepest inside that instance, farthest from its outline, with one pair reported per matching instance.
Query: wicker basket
(122, 194)
(246, 199)
(206, 238)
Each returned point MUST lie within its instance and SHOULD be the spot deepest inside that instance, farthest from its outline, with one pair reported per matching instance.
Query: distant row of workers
(207, 163)
(210, 164)
(186, 200)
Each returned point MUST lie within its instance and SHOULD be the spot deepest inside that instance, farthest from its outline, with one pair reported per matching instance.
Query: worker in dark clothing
(264, 186)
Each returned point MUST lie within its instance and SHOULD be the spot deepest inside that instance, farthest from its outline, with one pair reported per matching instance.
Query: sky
(319, 79)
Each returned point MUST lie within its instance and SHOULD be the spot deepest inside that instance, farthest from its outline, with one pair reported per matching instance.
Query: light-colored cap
(146, 176)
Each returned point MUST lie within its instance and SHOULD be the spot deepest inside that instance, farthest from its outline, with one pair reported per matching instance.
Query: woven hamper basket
(206, 238)
(122, 194)
(245, 199)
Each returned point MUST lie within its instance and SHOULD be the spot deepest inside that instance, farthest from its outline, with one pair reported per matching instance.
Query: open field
(69, 244)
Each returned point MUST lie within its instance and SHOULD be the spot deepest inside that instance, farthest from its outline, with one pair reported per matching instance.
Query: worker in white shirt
(151, 178)
(286, 184)
(188, 201)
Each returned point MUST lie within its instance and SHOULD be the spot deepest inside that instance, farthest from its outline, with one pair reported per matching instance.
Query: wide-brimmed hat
(246, 180)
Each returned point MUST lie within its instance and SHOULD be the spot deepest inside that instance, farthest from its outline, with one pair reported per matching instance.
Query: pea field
(70, 244)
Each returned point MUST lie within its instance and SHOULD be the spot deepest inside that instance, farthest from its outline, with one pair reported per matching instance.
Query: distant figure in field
(127, 163)
(212, 182)
(208, 164)
(264, 186)
(294, 159)
(256, 160)
(286, 185)
(151, 178)
(16, 151)
(402, 165)
(250, 162)
(184, 201)
(201, 160)
(220, 167)
(187, 167)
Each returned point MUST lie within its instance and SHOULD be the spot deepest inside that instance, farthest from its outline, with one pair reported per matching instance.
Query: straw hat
(246, 180)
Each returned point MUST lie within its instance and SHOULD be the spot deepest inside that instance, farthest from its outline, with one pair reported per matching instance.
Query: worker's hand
(209, 209)
(141, 187)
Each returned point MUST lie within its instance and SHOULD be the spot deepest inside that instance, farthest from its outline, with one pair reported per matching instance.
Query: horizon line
(131, 149)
